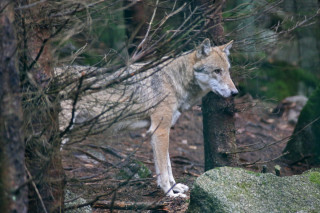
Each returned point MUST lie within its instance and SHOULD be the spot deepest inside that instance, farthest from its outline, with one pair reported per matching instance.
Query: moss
(233, 190)
(244, 185)
(144, 171)
(123, 175)
(314, 177)
(254, 173)
(278, 80)
(136, 168)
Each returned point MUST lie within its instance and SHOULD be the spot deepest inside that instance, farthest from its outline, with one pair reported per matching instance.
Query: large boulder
(228, 189)
(305, 143)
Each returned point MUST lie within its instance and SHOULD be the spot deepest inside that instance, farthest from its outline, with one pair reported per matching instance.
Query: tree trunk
(218, 120)
(43, 157)
(308, 41)
(13, 195)
(248, 33)
(136, 23)
(218, 131)
(304, 49)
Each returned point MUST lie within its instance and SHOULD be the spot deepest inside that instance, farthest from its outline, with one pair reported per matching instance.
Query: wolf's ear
(204, 49)
(226, 47)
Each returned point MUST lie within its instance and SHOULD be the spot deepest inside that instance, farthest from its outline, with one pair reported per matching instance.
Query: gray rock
(237, 190)
(76, 200)
(294, 106)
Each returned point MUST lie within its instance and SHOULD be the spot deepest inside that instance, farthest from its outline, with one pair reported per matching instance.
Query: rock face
(228, 189)
(306, 143)
(292, 106)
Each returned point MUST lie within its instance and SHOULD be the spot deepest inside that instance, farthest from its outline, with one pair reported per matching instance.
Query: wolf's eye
(218, 71)
(200, 69)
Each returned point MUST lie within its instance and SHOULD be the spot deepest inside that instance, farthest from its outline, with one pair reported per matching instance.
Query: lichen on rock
(228, 189)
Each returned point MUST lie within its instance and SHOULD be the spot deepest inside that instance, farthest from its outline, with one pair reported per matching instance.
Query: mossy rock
(237, 190)
(306, 137)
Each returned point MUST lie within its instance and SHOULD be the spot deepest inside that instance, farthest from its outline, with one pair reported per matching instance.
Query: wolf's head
(211, 69)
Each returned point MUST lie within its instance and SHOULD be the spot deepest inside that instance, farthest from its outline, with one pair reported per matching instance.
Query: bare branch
(121, 205)
(37, 191)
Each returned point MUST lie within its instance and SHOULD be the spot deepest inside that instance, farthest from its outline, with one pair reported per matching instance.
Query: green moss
(144, 171)
(134, 168)
(278, 80)
(314, 177)
(245, 186)
(122, 175)
(254, 173)
(233, 190)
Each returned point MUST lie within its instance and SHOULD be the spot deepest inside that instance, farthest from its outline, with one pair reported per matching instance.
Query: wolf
(154, 99)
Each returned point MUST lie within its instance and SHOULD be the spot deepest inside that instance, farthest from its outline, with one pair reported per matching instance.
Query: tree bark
(13, 195)
(305, 48)
(308, 41)
(43, 157)
(218, 131)
(136, 23)
(218, 119)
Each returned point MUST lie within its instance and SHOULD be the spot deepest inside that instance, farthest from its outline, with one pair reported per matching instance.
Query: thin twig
(140, 46)
(91, 202)
(276, 142)
(94, 157)
(30, 5)
(37, 191)
(263, 162)
(71, 122)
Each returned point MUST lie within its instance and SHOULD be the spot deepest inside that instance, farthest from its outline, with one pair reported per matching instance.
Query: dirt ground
(114, 170)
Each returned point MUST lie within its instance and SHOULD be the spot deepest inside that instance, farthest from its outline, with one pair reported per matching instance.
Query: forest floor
(104, 167)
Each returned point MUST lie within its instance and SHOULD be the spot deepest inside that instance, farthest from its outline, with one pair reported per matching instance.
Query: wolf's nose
(234, 92)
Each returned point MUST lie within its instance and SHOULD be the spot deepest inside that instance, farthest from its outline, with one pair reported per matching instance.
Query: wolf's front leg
(177, 187)
(160, 146)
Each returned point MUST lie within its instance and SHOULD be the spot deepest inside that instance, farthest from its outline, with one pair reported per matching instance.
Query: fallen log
(124, 205)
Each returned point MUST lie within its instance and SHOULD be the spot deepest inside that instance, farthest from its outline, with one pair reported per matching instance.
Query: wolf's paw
(180, 188)
(174, 195)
